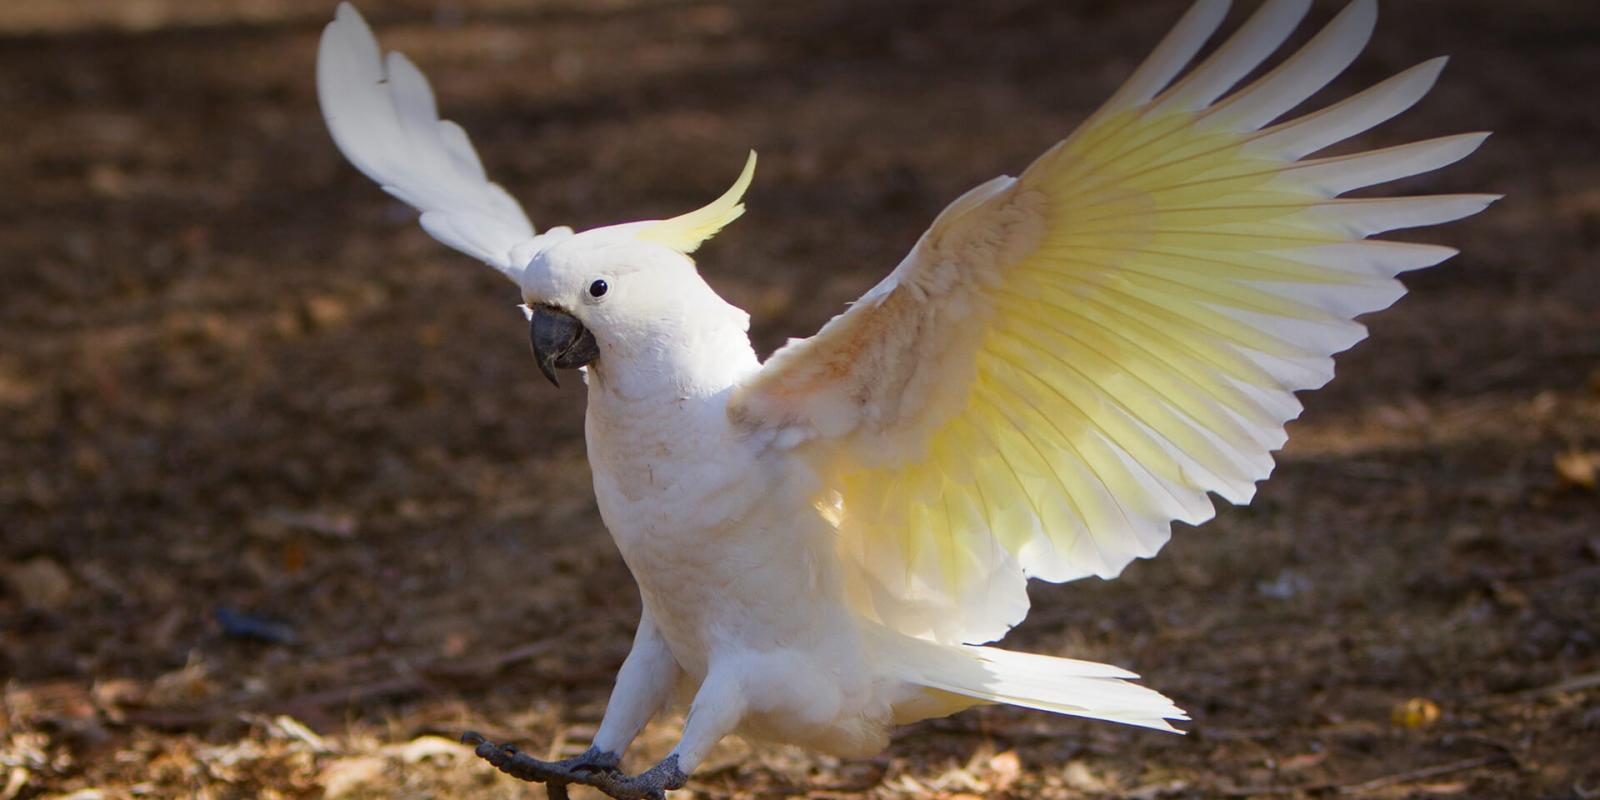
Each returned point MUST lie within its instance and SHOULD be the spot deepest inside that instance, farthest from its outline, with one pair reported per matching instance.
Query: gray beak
(560, 341)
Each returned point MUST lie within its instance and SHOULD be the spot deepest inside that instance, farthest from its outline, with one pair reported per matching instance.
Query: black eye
(598, 289)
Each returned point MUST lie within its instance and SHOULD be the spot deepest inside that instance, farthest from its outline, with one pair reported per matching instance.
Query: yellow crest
(686, 232)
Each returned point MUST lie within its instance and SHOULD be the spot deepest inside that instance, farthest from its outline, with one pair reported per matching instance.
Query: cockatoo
(1066, 362)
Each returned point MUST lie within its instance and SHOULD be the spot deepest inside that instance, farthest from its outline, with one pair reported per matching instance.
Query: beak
(560, 341)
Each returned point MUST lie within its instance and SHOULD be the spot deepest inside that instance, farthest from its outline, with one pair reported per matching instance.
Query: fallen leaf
(1302, 761)
(294, 557)
(1579, 468)
(284, 726)
(1153, 791)
(1450, 787)
(81, 794)
(1007, 768)
(425, 747)
(325, 312)
(455, 644)
(1077, 775)
(346, 776)
(906, 783)
(1508, 596)
(16, 781)
(110, 696)
(333, 524)
(186, 686)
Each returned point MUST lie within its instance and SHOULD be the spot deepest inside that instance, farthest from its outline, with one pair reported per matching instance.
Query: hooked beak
(560, 341)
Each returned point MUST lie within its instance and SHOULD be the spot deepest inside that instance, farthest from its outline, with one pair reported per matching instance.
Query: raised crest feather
(686, 232)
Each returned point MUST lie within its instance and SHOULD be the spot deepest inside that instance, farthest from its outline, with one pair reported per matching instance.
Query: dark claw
(594, 768)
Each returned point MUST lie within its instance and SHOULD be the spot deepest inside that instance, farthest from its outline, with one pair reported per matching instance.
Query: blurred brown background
(282, 497)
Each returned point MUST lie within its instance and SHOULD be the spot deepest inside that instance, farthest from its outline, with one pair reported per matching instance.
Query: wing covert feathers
(382, 115)
(1068, 361)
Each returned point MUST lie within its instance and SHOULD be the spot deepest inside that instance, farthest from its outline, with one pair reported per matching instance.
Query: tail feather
(1060, 685)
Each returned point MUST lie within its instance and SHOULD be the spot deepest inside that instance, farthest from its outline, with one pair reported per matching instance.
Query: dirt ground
(285, 506)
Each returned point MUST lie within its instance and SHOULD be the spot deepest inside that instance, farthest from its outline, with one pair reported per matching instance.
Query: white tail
(989, 674)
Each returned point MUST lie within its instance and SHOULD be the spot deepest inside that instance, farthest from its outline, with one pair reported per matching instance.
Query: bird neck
(660, 410)
(697, 356)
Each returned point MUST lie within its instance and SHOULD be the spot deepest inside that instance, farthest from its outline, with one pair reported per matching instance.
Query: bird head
(614, 292)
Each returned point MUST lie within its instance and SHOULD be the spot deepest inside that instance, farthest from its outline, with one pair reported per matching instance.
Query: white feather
(1358, 113)
(383, 117)
(1169, 58)
(1062, 685)
(1336, 175)
(1310, 69)
(1243, 52)
(1366, 216)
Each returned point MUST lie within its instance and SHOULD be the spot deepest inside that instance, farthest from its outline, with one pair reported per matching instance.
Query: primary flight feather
(1066, 362)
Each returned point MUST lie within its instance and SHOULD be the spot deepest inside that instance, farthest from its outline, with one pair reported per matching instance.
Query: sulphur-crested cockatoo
(1065, 362)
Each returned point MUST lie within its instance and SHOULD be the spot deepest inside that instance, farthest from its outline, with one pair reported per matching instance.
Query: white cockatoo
(1065, 362)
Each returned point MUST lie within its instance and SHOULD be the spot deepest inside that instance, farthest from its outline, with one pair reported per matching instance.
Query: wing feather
(1356, 114)
(384, 119)
(1336, 175)
(1327, 55)
(1257, 39)
(1070, 360)
(1170, 56)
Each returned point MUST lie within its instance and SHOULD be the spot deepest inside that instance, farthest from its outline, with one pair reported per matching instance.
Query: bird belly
(753, 589)
(761, 581)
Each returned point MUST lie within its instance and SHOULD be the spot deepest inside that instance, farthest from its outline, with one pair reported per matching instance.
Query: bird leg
(595, 768)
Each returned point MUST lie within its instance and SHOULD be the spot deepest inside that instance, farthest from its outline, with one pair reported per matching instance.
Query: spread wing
(1069, 360)
(382, 115)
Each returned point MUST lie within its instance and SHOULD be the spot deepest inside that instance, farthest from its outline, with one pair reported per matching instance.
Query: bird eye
(598, 289)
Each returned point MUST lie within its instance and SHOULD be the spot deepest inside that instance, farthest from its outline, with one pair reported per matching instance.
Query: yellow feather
(1136, 312)
(686, 232)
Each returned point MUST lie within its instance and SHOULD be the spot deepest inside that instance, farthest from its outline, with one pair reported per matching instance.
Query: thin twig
(1229, 790)
(1368, 785)
(1576, 683)
(1423, 773)
(416, 680)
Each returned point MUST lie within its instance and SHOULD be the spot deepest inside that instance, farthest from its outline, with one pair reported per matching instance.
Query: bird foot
(594, 768)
